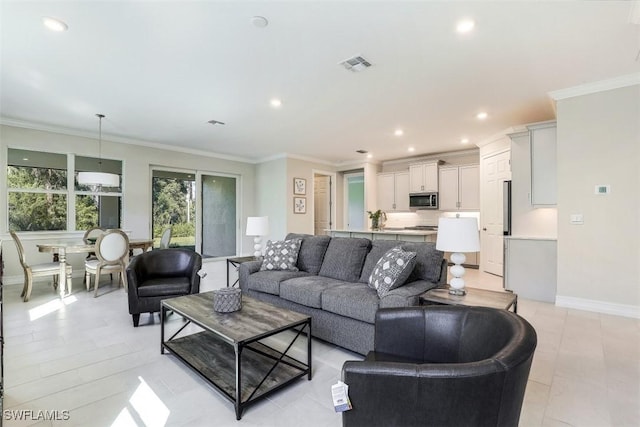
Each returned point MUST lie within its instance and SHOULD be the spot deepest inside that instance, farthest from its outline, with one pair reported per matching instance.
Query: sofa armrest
(245, 270)
(406, 295)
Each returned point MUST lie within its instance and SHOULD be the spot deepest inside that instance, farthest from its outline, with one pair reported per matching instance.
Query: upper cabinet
(544, 170)
(535, 164)
(459, 188)
(393, 191)
(423, 177)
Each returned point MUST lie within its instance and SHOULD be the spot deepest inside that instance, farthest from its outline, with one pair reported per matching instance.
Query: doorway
(322, 202)
(354, 200)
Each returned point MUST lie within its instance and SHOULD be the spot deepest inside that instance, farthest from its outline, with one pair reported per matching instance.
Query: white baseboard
(624, 310)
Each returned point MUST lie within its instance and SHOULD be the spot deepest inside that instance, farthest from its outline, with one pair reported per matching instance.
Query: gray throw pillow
(392, 270)
(281, 255)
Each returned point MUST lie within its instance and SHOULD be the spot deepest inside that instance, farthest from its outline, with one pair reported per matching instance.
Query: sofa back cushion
(428, 261)
(378, 249)
(311, 252)
(344, 258)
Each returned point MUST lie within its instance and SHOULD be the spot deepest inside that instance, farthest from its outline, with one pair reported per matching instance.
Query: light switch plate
(577, 219)
(602, 189)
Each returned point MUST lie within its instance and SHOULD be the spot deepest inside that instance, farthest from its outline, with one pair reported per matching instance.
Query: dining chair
(91, 236)
(165, 239)
(37, 270)
(112, 254)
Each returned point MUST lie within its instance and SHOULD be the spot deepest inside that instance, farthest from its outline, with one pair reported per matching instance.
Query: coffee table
(474, 297)
(227, 351)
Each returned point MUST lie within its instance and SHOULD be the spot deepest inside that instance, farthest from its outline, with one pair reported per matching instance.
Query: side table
(235, 262)
(474, 297)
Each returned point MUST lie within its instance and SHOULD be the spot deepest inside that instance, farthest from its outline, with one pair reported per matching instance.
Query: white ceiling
(160, 70)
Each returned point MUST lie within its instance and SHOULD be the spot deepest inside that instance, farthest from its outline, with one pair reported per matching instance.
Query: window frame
(70, 192)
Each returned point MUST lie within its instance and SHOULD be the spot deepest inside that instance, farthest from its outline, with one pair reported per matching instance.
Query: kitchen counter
(388, 234)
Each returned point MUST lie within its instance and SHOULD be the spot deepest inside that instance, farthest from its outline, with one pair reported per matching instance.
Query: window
(219, 217)
(173, 196)
(205, 220)
(39, 194)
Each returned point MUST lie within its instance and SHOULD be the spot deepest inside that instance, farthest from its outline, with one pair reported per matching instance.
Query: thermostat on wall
(603, 189)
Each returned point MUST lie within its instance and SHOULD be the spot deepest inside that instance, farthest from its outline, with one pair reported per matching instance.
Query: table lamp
(257, 226)
(458, 235)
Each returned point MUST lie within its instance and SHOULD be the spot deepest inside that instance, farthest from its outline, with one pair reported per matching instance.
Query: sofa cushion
(378, 248)
(354, 300)
(392, 270)
(307, 290)
(311, 252)
(428, 261)
(281, 255)
(269, 281)
(344, 258)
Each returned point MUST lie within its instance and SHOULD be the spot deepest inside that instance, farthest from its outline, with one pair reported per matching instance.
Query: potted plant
(377, 219)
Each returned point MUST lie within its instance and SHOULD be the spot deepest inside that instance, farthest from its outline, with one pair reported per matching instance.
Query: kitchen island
(388, 234)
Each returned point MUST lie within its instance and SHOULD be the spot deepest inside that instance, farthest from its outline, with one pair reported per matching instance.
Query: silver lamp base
(458, 292)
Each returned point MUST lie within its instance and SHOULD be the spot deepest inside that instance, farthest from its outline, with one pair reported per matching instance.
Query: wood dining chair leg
(87, 280)
(27, 291)
(95, 293)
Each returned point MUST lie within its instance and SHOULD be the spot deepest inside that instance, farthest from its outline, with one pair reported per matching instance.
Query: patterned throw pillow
(281, 255)
(392, 270)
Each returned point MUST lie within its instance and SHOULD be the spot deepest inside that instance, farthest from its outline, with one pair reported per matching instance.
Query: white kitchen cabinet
(459, 188)
(531, 267)
(423, 177)
(393, 191)
(544, 175)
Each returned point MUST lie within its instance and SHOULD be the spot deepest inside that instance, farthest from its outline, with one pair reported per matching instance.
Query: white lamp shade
(257, 226)
(99, 178)
(458, 235)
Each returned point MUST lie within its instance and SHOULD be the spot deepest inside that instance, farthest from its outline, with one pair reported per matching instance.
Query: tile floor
(83, 356)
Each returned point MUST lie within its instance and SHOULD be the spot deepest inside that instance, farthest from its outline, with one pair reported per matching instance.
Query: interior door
(496, 169)
(322, 204)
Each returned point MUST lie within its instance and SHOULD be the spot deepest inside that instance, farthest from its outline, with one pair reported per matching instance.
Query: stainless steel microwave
(423, 201)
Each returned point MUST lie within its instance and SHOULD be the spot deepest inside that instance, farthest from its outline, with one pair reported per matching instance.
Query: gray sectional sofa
(331, 285)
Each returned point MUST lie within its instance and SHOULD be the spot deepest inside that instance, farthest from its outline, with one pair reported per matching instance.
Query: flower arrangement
(377, 219)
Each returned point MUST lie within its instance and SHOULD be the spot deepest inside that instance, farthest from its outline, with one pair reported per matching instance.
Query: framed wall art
(299, 186)
(299, 205)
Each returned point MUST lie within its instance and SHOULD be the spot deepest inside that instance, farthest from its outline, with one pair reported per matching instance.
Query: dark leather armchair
(157, 275)
(442, 366)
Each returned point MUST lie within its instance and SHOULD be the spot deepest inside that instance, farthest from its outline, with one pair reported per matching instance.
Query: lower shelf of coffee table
(215, 360)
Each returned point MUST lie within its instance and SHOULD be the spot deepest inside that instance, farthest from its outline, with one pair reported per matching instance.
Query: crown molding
(595, 87)
(121, 140)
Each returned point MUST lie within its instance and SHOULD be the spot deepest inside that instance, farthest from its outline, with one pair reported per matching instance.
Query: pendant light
(99, 178)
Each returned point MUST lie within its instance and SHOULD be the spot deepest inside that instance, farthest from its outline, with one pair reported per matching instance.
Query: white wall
(137, 162)
(271, 196)
(599, 143)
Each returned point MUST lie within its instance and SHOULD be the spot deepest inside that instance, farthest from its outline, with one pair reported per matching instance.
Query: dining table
(60, 249)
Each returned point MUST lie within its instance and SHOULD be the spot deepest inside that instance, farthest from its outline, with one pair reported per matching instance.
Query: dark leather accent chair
(442, 366)
(157, 275)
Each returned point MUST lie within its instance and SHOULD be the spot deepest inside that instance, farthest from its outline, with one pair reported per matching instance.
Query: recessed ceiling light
(398, 132)
(25, 159)
(482, 115)
(464, 140)
(465, 26)
(54, 24)
(369, 156)
(259, 21)
(276, 103)
(411, 149)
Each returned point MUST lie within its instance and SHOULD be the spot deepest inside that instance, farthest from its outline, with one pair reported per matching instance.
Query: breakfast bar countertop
(401, 231)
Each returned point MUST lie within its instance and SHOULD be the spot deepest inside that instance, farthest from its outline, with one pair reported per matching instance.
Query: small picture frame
(299, 205)
(299, 186)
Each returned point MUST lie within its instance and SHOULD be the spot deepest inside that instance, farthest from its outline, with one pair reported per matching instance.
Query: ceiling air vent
(362, 151)
(355, 64)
